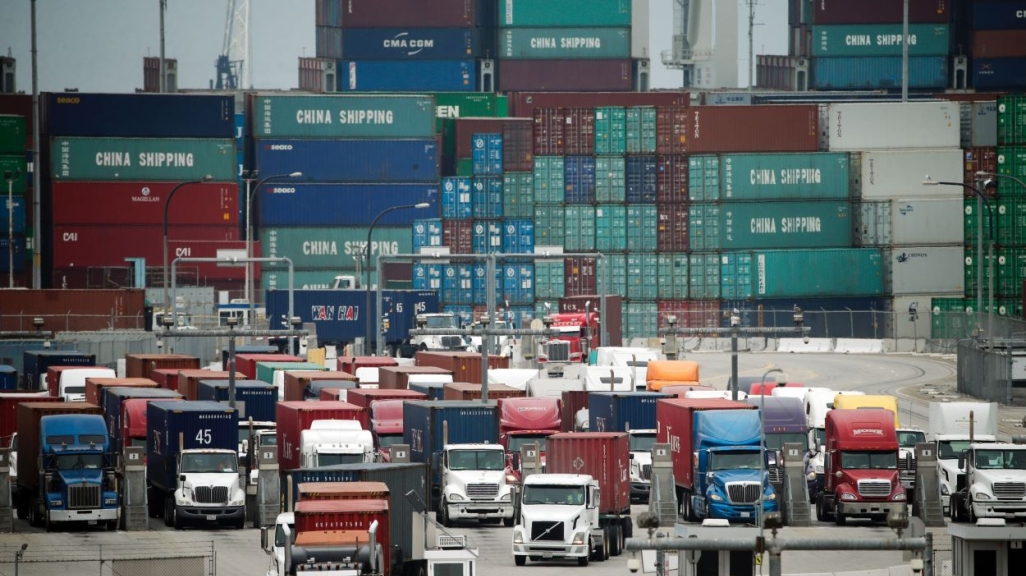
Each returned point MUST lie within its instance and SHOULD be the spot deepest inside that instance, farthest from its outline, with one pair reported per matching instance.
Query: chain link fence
(183, 559)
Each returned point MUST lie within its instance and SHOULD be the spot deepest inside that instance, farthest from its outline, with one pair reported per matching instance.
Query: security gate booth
(987, 548)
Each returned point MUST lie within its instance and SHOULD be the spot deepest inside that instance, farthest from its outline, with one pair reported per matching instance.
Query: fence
(996, 373)
(195, 558)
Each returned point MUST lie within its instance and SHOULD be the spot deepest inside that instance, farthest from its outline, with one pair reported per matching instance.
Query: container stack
(359, 156)
(14, 199)
(450, 106)
(114, 161)
(995, 33)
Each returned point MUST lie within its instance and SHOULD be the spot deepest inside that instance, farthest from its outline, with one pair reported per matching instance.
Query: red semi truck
(527, 420)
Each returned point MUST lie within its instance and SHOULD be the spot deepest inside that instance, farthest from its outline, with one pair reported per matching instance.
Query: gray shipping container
(911, 222)
(924, 270)
(983, 125)
(876, 125)
(887, 174)
(899, 324)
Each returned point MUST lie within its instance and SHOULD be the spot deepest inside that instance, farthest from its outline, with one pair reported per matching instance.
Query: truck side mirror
(181, 477)
(515, 460)
(632, 455)
(961, 461)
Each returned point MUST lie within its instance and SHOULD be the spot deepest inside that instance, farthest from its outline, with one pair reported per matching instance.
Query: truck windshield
(138, 442)
(80, 462)
(389, 440)
(734, 460)
(333, 459)
(569, 495)
(869, 460)
(268, 439)
(518, 442)
(776, 441)
(441, 322)
(477, 460)
(950, 449)
(1001, 459)
(642, 442)
(909, 438)
(208, 463)
(279, 535)
(74, 389)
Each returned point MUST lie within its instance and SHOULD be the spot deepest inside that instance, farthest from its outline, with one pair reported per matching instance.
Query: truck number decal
(203, 436)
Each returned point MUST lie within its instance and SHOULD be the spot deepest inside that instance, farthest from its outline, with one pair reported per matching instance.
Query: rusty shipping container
(335, 516)
(879, 11)
(516, 138)
(672, 129)
(73, 310)
(458, 236)
(771, 128)
(566, 75)
(523, 104)
(414, 14)
(979, 160)
(672, 230)
(294, 417)
(94, 386)
(188, 380)
(309, 491)
(572, 402)
(297, 382)
(106, 245)
(398, 377)
(166, 378)
(605, 456)
(467, 391)
(351, 364)
(561, 131)
(465, 366)
(364, 397)
(140, 365)
(671, 178)
(9, 411)
(999, 44)
(143, 203)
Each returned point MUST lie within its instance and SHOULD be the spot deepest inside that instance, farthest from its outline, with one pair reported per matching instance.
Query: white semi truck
(473, 484)
(995, 483)
(559, 519)
(330, 442)
(950, 430)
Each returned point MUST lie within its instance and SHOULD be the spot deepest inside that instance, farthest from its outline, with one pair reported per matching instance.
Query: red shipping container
(672, 227)
(93, 309)
(166, 378)
(566, 75)
(523, 104)
(880, 11)
(467, 391)
(613, 322)
(398, 377)
(464, 366)
(9, 411)
(458, 236)
(579, 276)
(672, 178)
(549, 124)
(188, 380)
(333, 394)
(52, 377)
(672, 130)
(410, 14)
(605, 456)
(297, 382)
(579, 130)
(674, 426)
(100, 245)
(690, 313)
(294, 417)
(768, 128)
(979, 160)
(999, 44)
(517, 130)
(517, 145)
(363, 397)
(573, 401)
(310, 491)
(141, 365)
(314, 516)
(351, 364)
(94, 386)
(246, 363)
(139, 203)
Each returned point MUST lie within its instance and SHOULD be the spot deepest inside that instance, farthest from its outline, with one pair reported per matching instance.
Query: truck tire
(954, 506)
(969, 514)
(520, 560)
(582, 561)
(443, 510)
(606, 537)
(177, 521)
(33, 514)
(615, 539)
(839, 518)
(508, 522)
(169, 512)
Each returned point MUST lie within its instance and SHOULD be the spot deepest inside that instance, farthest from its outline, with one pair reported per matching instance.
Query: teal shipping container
(640, 320)
(548, 279)
(815, 176)
(518, 195)
(579, 234)
(617, 273)
(704, 178)
(817, 273)
(672, 281)
(565, 13)
(642, 228)
(704, 227)
(15, 164)
(641, 269)
(610, 130)
(610, 179)
(564, 43)
(549, 225)
(610, 228)
(736, 275)
(549, 179)
(335, 247)
(704, 276)
(343, 116)
(641, 130)
(754, 225)
(265, 370)
(880, 40)
(143, 159)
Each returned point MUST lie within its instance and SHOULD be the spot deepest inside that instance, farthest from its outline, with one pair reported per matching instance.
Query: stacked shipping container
(995, 34)
(14, 206)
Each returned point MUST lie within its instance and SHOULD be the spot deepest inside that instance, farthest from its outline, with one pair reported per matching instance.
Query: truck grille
(452, 341)
(83, 496)
(542, 531)
(558, 351)
(488, 491)
(1009, 490)
(646, 472)
(776, 475)
(210, 494)
(874, 488)
(907, 463)
(743, 492)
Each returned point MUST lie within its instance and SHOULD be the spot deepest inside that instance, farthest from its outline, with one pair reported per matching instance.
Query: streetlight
(367, 253)
(995, 176)
(979, 255)
(10, 176)
(167, 205)
(762, 441)
(17, 557)
(249, 178)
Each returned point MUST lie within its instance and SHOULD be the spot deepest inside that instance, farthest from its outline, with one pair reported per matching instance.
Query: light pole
(995, 176)
(762, 441)
(250, 177)
(17, 557)
(367, 254)
(167, 205)
(10, 177)
(979, 256)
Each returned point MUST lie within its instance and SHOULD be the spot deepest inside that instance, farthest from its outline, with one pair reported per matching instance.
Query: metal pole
(600, 259)
(249, 248)
(928, 555)
(751, 35)
(486, 347)
(167, 205)
(163, 72)
(10, 227)
(734, 384)
(762, 446)
(904, 52)
(775, 567)
(231, 371)
(37, 235)
(980, 215)
(380, 300)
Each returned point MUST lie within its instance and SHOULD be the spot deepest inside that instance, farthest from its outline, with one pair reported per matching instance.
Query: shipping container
(549, 132)
(456, 198)
(876, 11)
(994, 73)
(516, 137)
(750, 225)
(565, 75)
(246, 363)
(523, 104)
(463, 391)
(640, 130)
(487, 236)
(486, 153)
(140, 115)
(641, 320)
(622, 411)
(425, 423)
(675, 426)
(568, 13)
(20, 252)
(1011, 161)
(12, 134)
(486, 197)
(137, 203)
(299, 383)
(183, 425)
(642, 228)
(141, 365)
(925, 269)
(186, 382)
(95, 306)
(611, 130)
(860, 317)
(998, 15)
(564, 43)
(641, 175)
(704, 221)
(980, 160)
(137, 159)
(888, 174)
(458, 236)
(771, 128)
(604, 456)
(579, 180)
(8, 381)
(113, 399)
(579, 233)
(464, 366)
(294, 417)
(854, 272)
(736, 275)
(672, 129)
(949, 319)
(610, 179)
(417, 43)
(100, 244)
(549, 180)
(641, 268)
(549, 226)
(672, 178)
(816, 176)
(416, 14)
(17, 165)
(94, 386)
(689, 313)
(28, 418)
(265, 371)
(518, 236)
(365, 397)
(9, 400)
(548, 279)
(672, 279)
(253, 398)
(324, 248)
(351, 364)
(911, 222)
(427, 233)
(880, 40)
(579, 276)
(345, 204)
(328, 41)
(882, 125)
(398, 377)
(35, 364)
(999, 44)
(12, 212)
(610, 228)
(983, 127)
(310, 491)
(407, 75)
(362, 161)
(877, 72)
(518, 195)
(343, 116)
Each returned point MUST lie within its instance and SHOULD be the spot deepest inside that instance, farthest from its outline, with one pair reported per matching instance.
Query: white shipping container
(924, 270)
(877, 125)
(984, 124)
(890, 174)
(639, 29)
(899, 321)
(911, 222)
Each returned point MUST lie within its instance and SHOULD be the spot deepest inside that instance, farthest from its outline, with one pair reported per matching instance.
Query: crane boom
(234, 55)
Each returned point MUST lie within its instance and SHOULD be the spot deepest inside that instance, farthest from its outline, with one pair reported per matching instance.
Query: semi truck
(292, 418)
(192, 467)
(69, 382)
(329, 442)
(818, 402)
(578, 334)
(860, 467)
(36, 362)
(995, 482)
(559, 519)
(953, 427)
(386, 415)
(784, 422)
(441, 320)
(70, 475)
(524, 421)
(635, 414)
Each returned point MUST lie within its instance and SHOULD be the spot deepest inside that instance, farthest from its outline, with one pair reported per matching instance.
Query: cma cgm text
(330, 248)
(344, 117)
(146, 159)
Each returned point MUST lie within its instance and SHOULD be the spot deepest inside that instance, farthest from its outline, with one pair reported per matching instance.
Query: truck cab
(331, 442)
(559, 519)
(441, 320)
(818, 401)
(525, 421)
(579, 331)
(953, 427)
(473, 484)
(995, 479)
(71, 384)
(641, 442)
(784, 422)
(208, 489)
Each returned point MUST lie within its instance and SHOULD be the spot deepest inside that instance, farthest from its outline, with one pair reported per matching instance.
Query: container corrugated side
(758, 128)
(565, 75)
(926, 269)
(465, 422)
(853, 272)
(134, 203)
(365, 161)
(760, 225)
(416, 13)
(106, 245)
(253, 398)
(140, 115)
(343, 116)
(324, 248)
(132, 159)
(12, 134)
(287, 204)
(817, 176)
(417, 43)
(881, 125)
(407, 75)
(603, 456)
(621, 412)
(887, 174)
(12, 211)
(911, 222)
(880, 40)
(998, 15)
(882, 11)
(999, 44)
(998, 73)
(877, 72)
(564, 43)
(565, 14)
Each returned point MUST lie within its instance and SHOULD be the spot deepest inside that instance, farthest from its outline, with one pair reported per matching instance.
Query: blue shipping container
(641, 175)
(140, 115)
(19, 254)
(253, 398)
(427, 233)
(6, 205)
(579, 179)
(427, 276)
(197, 424)
(417, 43)
(468, 422)
(615, 411)
(434, 390)
(518, 282)
(873, 72)
(35, 363)
(363, 161)
(486, 156)
(407, 76)
(458, 284)
(999, 15)
(486, 197)
(456, 198)
(518, 237)
(487, 237)
(465, 313)
(8, 378)
(480, 283)
(826, 317)
(999, 72)
(112, 397)
(287, 204)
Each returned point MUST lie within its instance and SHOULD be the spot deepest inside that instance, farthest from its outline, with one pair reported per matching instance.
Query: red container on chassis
(565, 75)
(316, 491)
(674, 426)
(579, 276)
(458, 236)
(672, 179)
(523, 104)
(294, 417)
(979, 160)
(613, 322)
(351, 364)
(349, 516)
(464, 366)
(364, 397)
(247, 363)
(605, 456)
(572, 402)
(999, 44)
(672, 130)
(188, 380)
(94, 386)
(411, 14)
(690, 313)
(516, 139)
(467, 391)
(398, 377)
(298, 382)
(141, 365)
(672, 227)
(94, 309)
(9, 411)
(52, 379)
(166, 378)
(549, 135)
(880, 12)
(109, 245)
(333, 394)
(138, 203)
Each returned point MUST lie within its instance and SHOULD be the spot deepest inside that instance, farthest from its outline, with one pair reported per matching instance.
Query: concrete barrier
(798, 345)
(858, 346)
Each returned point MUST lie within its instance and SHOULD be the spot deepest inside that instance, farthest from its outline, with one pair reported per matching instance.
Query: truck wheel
(33, 514)
(839, 518)
(508, 522)
(112, 525)
(178, 522)
(169, 511)
(444, 511)
(614, 540)
(953, 506)
(23, 509)
(520, 560)
(969, 514)
(582, 561)
(605, 546)
(819, 510)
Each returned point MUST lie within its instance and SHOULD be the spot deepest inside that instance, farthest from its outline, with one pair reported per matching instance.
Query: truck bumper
(998, 509)
(479, 510)
(549, 550)
(217, 514)
(94, 515)
(640, 490)
(868, 509)
(739, 512)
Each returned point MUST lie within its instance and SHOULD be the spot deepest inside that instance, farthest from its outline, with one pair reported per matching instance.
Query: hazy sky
(98, 45)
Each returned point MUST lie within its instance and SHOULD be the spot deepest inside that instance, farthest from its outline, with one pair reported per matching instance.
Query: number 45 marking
(204, 436)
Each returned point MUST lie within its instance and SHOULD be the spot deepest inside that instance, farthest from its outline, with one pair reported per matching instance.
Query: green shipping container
(548, 279)
(949, 319)
(579, 235)
(1011, 120)
(610, 228)
(617, 274)
(642, 228)
(265, 370)
(1005, 209)
(1006, 307)
(815, 176)
(518, 195)
(641, 320)
(549, 179)
(972, 272)
(880, 40)
(641, 130)
(143, 159)
(817, 273)
(549, 225)
(610, 130)
(1010, 273)
(641, 269)
(1011, 161)
(610, 179)
(736, 275)
(565, 13)
(452, 105)
(17, 164)
(672, 280)
(12, 134)
(704, 178)
(465, 167)
(754, 225)
(704, 227)
(343, 116)
(704, 276)
(334, 248)
(564, 43)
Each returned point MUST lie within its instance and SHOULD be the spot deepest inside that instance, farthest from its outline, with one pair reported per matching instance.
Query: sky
(98, 45)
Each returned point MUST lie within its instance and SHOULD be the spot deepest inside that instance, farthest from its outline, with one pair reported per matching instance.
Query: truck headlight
(810, 476)
(238, 502)
(944, 490)
(455, 496)
(981, 496)
(716, 497)
(505, 497)
(899, 497)
(511, 479)
(847, 496)
(770, 496)
(579, 539)
(518, 537)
